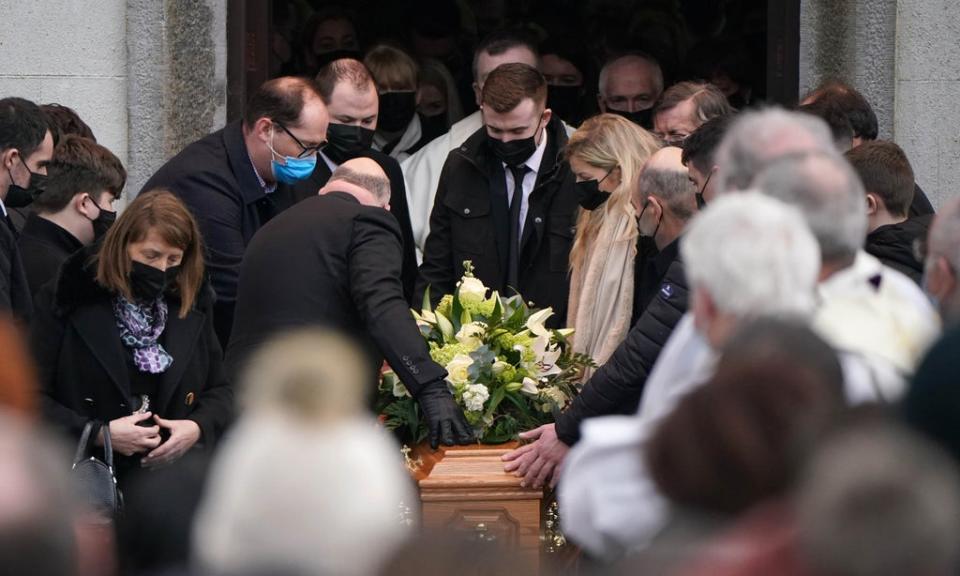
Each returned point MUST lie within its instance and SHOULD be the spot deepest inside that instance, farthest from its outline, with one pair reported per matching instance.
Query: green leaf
(465, 317)
(495, 400)
(425, 307)
(456, 313)
(497, 315)
(446, 328)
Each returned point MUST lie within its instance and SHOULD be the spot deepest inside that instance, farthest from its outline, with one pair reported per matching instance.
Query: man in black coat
(889, 183)
(26, 146)
(229, 178)
(334, 260)
(665, 200)
(506, 199)
(74, 210)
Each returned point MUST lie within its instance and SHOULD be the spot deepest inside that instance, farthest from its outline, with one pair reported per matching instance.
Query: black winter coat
(215, 178)
(398, 207)
(470, 221)
(617, 386)
(894, 245)
(340, 269)
(921, 205)
(44, 246)
(15, 295)
(83, 367)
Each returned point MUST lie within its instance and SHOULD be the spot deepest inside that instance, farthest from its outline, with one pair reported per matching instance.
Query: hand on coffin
(445, 419)
(540, 461)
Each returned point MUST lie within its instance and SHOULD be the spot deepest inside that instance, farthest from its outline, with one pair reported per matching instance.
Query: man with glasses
(230, 178)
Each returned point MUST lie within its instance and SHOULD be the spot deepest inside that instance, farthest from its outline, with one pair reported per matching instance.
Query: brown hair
(280, 100)
(392, 68)
(343, 70)
(64, 121)
(708, 101)
(160, 210)
(510, 84)
(80, 166)
(884, 169)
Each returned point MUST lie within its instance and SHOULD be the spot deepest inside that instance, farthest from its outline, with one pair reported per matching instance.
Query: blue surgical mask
(292, 169)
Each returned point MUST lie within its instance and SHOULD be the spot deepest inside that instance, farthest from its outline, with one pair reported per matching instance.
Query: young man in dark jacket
(888, 180)
(665, 201)
(506, 199)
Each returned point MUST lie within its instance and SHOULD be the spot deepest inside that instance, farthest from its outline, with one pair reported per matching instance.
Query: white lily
(547, 356)
(535, 322)
(530, 386)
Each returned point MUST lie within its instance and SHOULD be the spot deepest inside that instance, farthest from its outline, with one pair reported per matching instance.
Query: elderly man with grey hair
(942, 267)
(630, 86)
(875, 316)
(748, 255)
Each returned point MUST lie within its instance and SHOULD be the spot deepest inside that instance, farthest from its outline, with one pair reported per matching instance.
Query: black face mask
(347, 141)
(642, 118)
(591, 196)
(18, 196)
(565, 102)
(102, 222)
(701, 202)
(514, 152)
(433, 126)
(149, 283)
(396, 110)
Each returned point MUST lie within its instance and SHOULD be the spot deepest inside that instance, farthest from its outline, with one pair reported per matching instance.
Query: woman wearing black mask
(124, 336)
(399, 133)
(607, 154)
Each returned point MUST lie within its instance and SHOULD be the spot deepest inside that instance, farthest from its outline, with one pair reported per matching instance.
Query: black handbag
(94, 478)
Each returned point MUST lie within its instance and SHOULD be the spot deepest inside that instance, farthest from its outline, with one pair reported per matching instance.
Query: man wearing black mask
(630, 86)
(350, 94)
(26, 146)
(506, 200)
(76, 207)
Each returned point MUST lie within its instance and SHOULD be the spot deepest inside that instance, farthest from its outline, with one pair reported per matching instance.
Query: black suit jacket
(340, 269)
(470, 221)
(83, 367)
(398, 207)
(215, 178)
(44, 246)
(14, 291)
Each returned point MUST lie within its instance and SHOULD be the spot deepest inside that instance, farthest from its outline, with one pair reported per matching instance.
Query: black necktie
(513, 262)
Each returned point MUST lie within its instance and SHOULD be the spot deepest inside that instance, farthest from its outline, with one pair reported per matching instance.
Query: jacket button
(573, 229)
(405, 358)
(538, 220)
(414, 370)
(466, 211)
(189, 399)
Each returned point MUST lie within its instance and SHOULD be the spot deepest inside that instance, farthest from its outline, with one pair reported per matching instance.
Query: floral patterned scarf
(140, 328)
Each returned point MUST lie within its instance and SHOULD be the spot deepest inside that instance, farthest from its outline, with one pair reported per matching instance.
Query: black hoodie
(893, 245)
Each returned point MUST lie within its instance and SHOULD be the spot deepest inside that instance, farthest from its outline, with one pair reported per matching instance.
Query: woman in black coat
(125, 336)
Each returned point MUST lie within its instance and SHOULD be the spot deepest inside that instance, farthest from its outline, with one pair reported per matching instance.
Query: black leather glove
(444, 418)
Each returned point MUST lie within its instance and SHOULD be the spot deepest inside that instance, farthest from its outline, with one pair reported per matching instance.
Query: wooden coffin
(464, 489)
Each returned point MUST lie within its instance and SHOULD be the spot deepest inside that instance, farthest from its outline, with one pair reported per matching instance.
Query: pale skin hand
(537, 462)
(183, 435)
(128, 439)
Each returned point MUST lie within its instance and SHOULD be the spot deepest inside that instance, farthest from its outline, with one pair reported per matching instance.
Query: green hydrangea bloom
(442, 355)
(445, 306)
(483, 308)
(508, 375)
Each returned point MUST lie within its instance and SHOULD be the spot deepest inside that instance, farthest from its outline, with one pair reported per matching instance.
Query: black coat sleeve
(6, 265)
(437, 270)
(215, 405)
(400, 211)
(46, 338)
(616, 387)
(921, 205)
(374, 269)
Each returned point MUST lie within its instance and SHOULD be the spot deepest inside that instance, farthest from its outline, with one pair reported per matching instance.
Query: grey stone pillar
(176, 92)
(928, 93)
(853, 41)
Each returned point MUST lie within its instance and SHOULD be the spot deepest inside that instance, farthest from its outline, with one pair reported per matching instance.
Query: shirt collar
(3, 208)
(263, 183)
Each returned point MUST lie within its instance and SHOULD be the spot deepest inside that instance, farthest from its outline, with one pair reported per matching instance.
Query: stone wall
(71, 53)
(928, 93)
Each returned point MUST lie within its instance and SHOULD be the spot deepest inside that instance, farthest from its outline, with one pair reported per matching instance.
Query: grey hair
(829, 194)
(945, 234)
(878, 501)
(757, 137)
(657, 72)
(673, 187)
(379, 186)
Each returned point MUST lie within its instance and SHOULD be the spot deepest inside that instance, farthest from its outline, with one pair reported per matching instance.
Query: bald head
(364, 179)
(667, 159)
(665, 177)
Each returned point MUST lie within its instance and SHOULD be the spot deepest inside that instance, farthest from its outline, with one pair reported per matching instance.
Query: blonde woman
(607, 154)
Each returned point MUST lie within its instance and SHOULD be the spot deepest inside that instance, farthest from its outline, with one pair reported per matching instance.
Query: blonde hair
(609, 141)
(392, 69)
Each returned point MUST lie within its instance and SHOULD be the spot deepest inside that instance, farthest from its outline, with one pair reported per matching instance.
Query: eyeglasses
(305, 150)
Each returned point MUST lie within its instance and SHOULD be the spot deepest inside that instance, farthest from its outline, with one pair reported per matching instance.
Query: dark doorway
(750, 49)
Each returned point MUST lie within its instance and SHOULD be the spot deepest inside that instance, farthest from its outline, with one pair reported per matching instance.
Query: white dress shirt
(529, 179)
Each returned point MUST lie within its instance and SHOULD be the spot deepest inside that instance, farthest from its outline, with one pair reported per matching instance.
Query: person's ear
(9, 158)
(873, 204)
(655, 207)
(83, 204)
(478, 94)
(263, 128)
(547, 116)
